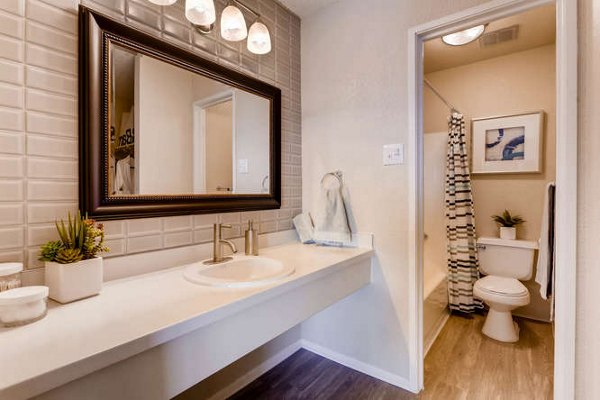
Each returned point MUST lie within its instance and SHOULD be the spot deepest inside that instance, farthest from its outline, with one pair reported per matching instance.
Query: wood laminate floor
(462, 364)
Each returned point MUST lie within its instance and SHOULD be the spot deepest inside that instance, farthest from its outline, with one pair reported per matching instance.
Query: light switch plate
(243, 166)
(393, 154)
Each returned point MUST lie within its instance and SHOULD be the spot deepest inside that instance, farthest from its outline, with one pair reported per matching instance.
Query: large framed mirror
(164, 131)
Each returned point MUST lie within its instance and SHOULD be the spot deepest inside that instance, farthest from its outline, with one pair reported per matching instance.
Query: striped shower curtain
(463, 265)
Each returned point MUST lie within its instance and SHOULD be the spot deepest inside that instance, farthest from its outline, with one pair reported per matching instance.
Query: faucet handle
(226, 226)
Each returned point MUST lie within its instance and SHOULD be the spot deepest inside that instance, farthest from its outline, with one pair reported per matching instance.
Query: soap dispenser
(251, 240)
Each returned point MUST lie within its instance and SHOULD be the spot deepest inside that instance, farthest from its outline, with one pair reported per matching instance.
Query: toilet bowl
(505, 263)
(502, 295)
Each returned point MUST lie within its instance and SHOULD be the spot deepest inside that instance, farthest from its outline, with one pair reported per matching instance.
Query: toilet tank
(508, 258)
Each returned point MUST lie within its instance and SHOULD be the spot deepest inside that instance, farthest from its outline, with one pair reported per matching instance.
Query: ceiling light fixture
(202, 15)
(463, 37)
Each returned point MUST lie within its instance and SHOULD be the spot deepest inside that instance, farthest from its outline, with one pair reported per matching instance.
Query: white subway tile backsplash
(11, 95)
(12, 256)
(178, 223)
(117, 247)
(178, 239)
(12, 143)
(38, 120)
(51, 38)
(51, 147)
(56, 17)
(50, 59)
(55, 82)
(51, 125)
(11, 72)
(54, 169)
(143, 243)
(13, 6)
(52, 103)
(145, 226)
(12, 238)
(205, 220)
(11, 119)
(49, 212)
(11, 190)
(114, 229)
(11, 166)
(11, 48)
(11, 213)
(51, 190)
(11, 25)
(40, 234)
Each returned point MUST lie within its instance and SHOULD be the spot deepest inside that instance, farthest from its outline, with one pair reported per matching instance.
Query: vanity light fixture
(202, 15)
(163, 2)
(233, 24)
(200, 12)
(463, 37)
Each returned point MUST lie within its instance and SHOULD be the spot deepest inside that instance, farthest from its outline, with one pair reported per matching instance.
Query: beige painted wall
(219, 154)
(516, 83)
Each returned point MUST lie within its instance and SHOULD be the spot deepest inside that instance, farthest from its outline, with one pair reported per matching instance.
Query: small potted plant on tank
(508, 224)
(73, 265)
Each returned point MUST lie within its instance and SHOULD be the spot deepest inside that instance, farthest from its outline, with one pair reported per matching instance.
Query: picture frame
(510, 144)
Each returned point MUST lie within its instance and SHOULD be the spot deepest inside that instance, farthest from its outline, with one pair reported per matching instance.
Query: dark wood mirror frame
(95, 33)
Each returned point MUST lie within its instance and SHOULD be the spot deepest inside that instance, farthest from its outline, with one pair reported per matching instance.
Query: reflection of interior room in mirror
(122, 134)
(193, 134)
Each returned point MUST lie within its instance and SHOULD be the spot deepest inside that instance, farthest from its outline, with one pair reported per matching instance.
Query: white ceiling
(303, 8)
(537, 27)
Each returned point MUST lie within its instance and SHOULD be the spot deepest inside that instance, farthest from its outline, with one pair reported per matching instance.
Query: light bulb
(463, 37)
(233, 24)
(259, 40)
(163, 2)
(200, 12)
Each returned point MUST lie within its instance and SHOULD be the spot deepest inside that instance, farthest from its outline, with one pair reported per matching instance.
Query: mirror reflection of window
(193, 134)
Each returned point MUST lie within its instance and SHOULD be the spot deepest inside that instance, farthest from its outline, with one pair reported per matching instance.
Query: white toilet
(505, 263)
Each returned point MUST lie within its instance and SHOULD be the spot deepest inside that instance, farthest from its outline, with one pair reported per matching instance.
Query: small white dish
(23, 305)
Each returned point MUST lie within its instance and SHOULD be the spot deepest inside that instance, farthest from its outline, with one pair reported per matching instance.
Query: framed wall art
(509, 144)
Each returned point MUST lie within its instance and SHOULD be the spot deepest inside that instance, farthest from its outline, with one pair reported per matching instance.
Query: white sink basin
(242, 271)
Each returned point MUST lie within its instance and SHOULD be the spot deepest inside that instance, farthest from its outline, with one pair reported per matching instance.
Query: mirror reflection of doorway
(218, 144)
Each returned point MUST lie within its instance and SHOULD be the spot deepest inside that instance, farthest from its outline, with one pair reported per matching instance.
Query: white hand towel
(331, 220)
(304, 227)
(545, 264)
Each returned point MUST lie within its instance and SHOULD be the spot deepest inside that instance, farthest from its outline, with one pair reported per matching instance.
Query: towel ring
(337, 174)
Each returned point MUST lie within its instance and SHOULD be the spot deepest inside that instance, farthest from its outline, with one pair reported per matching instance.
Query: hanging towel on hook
(331, 219)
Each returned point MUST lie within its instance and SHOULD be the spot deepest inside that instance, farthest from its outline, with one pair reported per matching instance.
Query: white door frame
(566, 177)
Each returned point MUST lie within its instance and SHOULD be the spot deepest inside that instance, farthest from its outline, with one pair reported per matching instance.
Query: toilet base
(499, 325)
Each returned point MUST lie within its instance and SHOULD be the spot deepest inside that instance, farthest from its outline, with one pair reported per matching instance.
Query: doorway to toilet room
(486, 95)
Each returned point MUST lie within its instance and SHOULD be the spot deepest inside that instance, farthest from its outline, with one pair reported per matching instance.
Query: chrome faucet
(218, 243)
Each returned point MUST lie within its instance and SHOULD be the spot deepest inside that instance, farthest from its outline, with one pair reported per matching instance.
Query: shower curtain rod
(434, 90)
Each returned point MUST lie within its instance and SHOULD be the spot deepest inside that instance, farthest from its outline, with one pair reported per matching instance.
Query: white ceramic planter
(508, 233)
(70, 282)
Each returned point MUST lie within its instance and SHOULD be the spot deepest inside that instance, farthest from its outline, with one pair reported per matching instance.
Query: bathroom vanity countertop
(134, 314)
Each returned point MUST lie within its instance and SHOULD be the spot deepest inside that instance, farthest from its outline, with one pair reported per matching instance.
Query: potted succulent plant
(508, 224)
(73, 265)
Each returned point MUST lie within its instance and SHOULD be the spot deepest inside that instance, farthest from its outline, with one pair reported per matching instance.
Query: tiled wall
(38, 120)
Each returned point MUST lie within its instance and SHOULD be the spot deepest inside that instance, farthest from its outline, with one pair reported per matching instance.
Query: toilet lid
(501, 285)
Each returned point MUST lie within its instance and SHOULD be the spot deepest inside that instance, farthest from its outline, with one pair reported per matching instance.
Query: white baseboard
(359, 366)
(256, 372)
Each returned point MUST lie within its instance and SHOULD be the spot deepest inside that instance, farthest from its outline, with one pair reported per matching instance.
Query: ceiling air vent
(499, 36)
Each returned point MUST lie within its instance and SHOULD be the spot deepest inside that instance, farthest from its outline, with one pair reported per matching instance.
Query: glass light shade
(200, 12)
(163, 2)
(464, 37)
(259, 40)
(233, 24)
